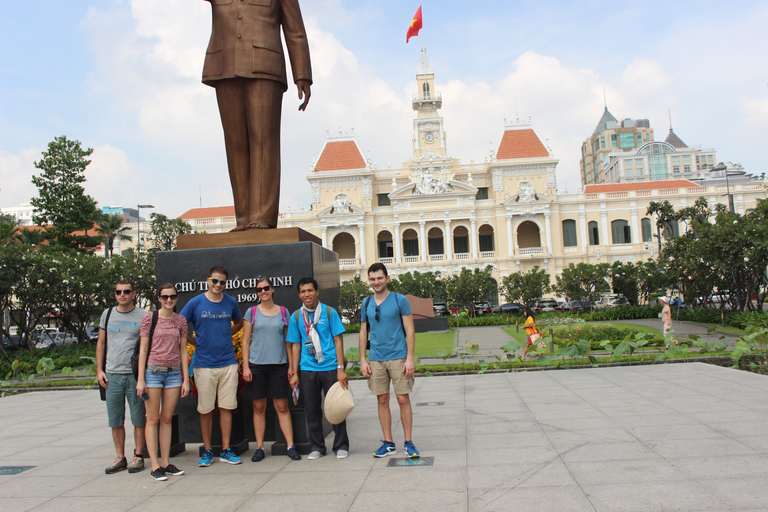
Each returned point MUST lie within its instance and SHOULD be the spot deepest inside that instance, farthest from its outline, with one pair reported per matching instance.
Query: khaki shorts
(384, 371)
(213, 382)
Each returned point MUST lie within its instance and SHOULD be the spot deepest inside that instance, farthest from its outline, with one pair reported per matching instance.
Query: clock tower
(428, 136)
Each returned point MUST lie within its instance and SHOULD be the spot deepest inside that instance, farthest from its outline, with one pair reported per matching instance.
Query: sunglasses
(260, 289)
(222, 282)
(377, 312)
(169, 297)
(123, 292)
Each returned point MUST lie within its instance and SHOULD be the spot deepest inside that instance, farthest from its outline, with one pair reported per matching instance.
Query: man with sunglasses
(388, 316)
(215, 317)
(118, 339)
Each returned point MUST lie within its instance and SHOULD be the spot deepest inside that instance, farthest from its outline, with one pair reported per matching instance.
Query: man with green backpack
(315, 330)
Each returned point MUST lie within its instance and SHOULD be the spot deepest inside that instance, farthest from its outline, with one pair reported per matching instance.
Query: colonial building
(436, 213)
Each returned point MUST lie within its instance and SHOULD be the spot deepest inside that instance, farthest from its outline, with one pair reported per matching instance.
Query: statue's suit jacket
(245, 41)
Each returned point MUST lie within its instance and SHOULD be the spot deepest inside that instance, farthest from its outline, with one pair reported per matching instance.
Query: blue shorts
(172, 379)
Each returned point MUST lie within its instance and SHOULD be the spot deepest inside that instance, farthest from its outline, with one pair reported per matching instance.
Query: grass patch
(428, 344)
(636, 327)
(719, 327)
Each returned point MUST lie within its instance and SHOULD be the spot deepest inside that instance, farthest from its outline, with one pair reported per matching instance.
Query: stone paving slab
(663, 437)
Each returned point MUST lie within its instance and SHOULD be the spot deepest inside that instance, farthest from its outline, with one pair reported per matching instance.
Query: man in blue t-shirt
(212, 315)
(315, 330)
(388, 316)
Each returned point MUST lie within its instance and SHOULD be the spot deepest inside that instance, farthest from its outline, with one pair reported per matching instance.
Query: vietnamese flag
(413, 30)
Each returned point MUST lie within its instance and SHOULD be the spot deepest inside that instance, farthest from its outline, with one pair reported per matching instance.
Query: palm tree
(30, 237)
(110, 226)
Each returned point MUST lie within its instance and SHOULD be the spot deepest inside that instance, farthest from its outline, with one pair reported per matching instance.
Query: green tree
(163, 231)
(468, 286)
(80, 291)
(624, 280)
(62, 206)
(425, 285)
(584, 282)
(525, 287)
(8, 229)
(33, 282)
(351, 295)
(651, 279)
(139, 267)
(111, 227)
(11, 266)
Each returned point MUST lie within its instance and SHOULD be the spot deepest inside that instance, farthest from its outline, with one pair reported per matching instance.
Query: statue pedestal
(285, 264)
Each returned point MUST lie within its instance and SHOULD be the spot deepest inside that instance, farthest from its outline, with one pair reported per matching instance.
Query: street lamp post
(138, 223)
(722, 167)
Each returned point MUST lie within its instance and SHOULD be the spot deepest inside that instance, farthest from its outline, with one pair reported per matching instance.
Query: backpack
(102, 391)
(137, 348)
(368, 324)
(253, 315)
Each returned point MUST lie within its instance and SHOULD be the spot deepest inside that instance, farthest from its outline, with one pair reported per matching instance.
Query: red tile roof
(207, 213)
(340, 155)
(645, 185)
(523, 143)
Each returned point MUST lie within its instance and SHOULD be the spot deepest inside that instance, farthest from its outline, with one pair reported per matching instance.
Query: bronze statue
(245, 64)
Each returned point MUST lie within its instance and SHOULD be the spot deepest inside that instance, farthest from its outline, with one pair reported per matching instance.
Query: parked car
(544, 305)
(613, 300)
(482, 308)
(513, 308)
(93, 333)
(579, 305)
(440, 308)
(57, 339)
(12, 343)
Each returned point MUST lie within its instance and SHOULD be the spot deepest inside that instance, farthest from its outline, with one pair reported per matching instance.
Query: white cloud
(16, 173)
(755, 110)
(111, 178)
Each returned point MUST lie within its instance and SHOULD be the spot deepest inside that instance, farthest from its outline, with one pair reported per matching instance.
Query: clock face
(429, 136)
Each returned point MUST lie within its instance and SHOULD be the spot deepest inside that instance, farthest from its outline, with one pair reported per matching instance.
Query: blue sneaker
(387, 448)
(411, 450)
(206, 459)
(229, 456)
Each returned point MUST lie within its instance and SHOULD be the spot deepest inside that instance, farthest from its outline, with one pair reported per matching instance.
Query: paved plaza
(662, 437)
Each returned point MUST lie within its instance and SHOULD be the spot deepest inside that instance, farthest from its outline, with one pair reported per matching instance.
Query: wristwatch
(340, 367)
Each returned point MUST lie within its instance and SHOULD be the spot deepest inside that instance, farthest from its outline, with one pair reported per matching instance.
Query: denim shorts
(170, 379)
(121, 388)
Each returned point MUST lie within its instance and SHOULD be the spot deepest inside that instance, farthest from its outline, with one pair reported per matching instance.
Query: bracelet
(340, 367)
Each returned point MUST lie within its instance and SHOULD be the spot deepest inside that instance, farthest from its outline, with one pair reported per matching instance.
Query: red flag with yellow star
(413, 30)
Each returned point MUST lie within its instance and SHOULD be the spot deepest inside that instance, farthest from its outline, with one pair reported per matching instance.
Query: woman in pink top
(163, 376)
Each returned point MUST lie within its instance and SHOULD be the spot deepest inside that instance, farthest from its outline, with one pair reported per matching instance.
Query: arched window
(569, 233)
(410, 243)
(645, 224)
(620, 232)
(485, 238)
(426, 90)
(435, 242)
(461, 240)
(670, 229)
(385, 244)
(594, 234)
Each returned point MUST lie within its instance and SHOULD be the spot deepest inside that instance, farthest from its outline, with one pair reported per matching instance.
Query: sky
(124, 78)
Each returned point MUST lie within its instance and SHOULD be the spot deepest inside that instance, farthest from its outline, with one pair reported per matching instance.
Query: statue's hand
(304, 92)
